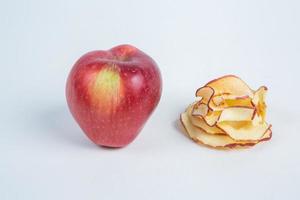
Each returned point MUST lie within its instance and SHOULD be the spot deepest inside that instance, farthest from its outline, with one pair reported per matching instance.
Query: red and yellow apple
(112, 93)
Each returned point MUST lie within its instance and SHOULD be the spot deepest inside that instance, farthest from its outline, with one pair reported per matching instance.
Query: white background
(45, 155)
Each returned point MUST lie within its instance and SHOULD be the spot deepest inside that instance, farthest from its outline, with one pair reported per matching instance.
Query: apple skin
(111, 94)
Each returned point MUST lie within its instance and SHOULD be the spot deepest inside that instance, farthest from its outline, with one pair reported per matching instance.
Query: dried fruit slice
(232, 85)
(206, 93)
(221, 102)
(200, 123)
(237, 114)
(226, 87)
(229, 114)
(216, 141)
(244, 130)
(224, 101)
(259, 102)
(202, 111)
(212, 117)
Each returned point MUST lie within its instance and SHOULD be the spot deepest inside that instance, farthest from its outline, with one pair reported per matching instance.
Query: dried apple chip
(208, 116)
(259, 102)
(224, 101)
(237, 114)
(200, 123)
(232, 85)
(246, 130)
(206, 93)
(229, 114)
(215, 141)
(212, 117)
(200, 109)
(226, 87)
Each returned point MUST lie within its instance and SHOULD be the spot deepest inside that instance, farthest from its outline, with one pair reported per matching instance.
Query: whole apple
(112, 93)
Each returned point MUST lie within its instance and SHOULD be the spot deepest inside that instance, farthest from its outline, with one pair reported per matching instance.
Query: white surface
(44, 154)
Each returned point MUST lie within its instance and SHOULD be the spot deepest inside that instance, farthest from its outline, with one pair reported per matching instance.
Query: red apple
(111, 94)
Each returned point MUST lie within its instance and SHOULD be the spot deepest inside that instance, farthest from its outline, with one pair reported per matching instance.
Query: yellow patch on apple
(106, 89)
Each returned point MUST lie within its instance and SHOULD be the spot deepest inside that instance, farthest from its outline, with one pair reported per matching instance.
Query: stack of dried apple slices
(229, 114)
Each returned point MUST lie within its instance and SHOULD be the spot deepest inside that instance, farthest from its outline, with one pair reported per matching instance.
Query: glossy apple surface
(112, 93)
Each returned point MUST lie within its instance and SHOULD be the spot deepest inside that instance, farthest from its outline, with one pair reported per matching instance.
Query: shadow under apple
(58, 121)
